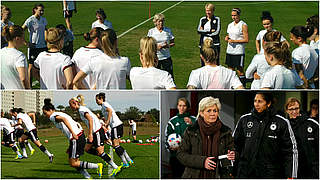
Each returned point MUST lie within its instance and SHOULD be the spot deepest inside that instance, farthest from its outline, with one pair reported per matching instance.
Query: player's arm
(78, 79)
(258, 46)
(33, 117)
(64, 120)
(24, 78)
(171, 43)
(299, 69)
(90, 120)
(69, 76)
(19, 122)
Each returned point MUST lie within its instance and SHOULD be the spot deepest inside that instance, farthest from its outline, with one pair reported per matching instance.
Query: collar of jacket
(298, 120)
(223, 131)
(186, 114)
(269, 112)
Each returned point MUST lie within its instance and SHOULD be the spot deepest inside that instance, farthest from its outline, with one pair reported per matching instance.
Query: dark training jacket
(306, 132)
(214, 25)
(266, 146)
(190, 152)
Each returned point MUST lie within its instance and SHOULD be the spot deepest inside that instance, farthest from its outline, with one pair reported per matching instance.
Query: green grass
(182, 19)
(146, 160)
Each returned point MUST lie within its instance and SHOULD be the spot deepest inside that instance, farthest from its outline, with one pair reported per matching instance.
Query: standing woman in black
(209, 27)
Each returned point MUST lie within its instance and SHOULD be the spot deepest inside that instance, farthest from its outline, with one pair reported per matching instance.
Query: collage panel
(261, 134)
(51, 138)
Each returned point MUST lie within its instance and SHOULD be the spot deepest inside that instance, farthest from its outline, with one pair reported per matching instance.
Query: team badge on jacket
(250, 124)
(273, 126)
(309, 130)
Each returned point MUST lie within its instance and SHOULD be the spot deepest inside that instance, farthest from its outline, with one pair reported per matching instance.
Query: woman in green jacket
(207, 146)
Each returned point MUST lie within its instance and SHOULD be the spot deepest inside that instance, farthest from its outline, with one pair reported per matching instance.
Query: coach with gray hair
(207, 146)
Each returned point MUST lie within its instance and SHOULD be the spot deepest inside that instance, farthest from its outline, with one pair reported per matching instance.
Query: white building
(27, 100)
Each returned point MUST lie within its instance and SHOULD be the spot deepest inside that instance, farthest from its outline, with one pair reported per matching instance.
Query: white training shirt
(80, 58)
(27, 121)
(260, 38)
(315, 45)
(279, 77)
(70, 5)
(5, 124)
(114, 121)
(3, 24)
(308, 57)
(36, 29)
(52, 65)
(106, 24)
(260, 65)
(150, 78)
(96, 126)
(13, 121)
(161, 37)
(219, 77)
(235, 33)
(108, 72)
(11, 59)
(133, 125)
(76, 127)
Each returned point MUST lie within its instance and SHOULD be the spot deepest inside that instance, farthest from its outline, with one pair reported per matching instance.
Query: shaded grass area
(182, 19)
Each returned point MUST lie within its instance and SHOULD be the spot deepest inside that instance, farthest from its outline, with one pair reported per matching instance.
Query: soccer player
(69, 6)
(116, 129)
(165, 40)
(14, 67)
(147, 76)
(83, 55)
(305, 58)
(209, 26)
(8, 135)
(313, 21)
(212, 76)
(5, 21)
(96, 137)
(31, 133)
(237, 38)
(67, 40)
(306, 132)
(36, 25)
(101, 20)
(133, 126)
(55, 68)
(74, 132)
(267, 22)
(109, 69)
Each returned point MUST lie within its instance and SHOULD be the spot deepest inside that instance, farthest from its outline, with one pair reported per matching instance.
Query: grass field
(182, 19)
(146, 158)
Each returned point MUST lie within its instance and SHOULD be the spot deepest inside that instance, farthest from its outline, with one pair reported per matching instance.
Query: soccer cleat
(131, 163)
(99, 170)
(32, 152)
(19, 157)
(115, 171)
(125, 165)
(51, 158)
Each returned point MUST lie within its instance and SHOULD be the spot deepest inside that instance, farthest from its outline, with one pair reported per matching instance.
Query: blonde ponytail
(208, 52)
(148, 48)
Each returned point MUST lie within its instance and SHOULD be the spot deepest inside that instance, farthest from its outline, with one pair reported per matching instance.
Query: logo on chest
(250, 124)
(309, 129)
(273, 126)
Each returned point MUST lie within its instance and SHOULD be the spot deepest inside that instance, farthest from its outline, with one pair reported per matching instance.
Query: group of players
(99, 132)
(99, 65)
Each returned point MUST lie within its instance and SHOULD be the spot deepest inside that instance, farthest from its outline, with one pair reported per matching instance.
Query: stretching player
(31, 133)
(116, 128)
(133, 126)
(74, 132)
(96, 137)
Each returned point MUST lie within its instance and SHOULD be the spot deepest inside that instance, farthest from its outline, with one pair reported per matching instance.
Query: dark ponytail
(266, 15)
(11, 32)
(281, 52)
(94, 33)
(302, 31)
(47, 105)
(101, 96)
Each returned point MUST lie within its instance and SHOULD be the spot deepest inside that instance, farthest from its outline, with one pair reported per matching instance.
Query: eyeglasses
(293, 109)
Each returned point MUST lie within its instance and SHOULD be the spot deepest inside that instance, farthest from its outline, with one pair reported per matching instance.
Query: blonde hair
(210, 6)
(158, 17)
(290, 101)
(208, 102)
(208, 52)
(148, 48)
(79, 99)
(53, 37)
(280, 51)
(108, 42)
(11, 32)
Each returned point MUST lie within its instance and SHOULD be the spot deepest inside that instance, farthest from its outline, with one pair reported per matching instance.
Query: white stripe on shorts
(74, 148)
(32, 135)
(241, 61)
(98, 138)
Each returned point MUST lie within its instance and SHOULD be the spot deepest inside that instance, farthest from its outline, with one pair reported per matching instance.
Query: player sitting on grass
(31, 133)
(96, 137)
(74, 132)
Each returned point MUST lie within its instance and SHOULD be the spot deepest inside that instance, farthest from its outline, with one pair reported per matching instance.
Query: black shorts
(108, 135)
(8, 138)
(19, 132)
(117, 132)
(33, 54)
(65, 15)
(76, 147)
(134, 132)
(32, 135)
(235, 61)
(166, 65)
(98, 138)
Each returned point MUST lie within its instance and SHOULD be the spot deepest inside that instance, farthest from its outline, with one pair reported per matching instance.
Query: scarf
(210, 135)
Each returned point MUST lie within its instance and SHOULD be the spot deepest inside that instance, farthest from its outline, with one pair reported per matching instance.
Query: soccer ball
(140, 141)
(128, 141)
(147, 140)
(174, 140)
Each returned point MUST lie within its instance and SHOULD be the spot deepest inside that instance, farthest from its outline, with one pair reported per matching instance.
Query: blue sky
(119, 100)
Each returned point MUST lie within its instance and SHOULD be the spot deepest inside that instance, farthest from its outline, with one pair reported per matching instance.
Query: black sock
(42, 148)
(105, 157)
(93, 152)
(243, 80)
(22, 145)
(119, 150)
(14, 148)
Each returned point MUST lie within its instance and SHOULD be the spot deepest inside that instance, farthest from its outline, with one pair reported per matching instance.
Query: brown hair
(280, 51)
(183, 99)
(53, 37)
(290, 101)
(36, 7)
(5, 8)
(108, 42)
(148, 48)
(272, 36)
(12, 32)
(209, 54)
(94, 33)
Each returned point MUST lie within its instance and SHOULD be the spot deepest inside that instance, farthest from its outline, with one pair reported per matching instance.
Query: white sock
(84, 173)
(24, 152)
(88, 165)
(123, 159)
(29, 145)
(127, 156)
(114, 166)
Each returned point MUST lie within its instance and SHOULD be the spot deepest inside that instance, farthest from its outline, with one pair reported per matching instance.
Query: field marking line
(134, 27)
